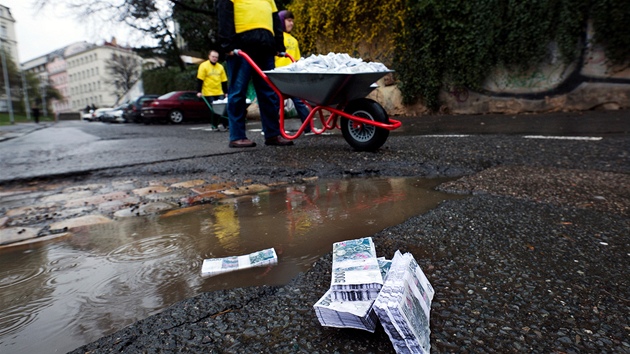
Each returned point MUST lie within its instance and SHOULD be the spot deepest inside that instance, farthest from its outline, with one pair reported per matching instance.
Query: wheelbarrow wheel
(364, 137)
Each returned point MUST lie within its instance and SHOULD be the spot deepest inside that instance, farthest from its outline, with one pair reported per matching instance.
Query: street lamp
(27, 105)
(7, 87)
(42, 92)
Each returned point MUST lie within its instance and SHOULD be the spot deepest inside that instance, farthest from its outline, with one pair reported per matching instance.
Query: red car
(176, 107)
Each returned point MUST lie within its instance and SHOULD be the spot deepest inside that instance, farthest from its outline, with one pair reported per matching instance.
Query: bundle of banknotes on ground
(332, 63)
(402, 302)
(214, 266)
(356, 282)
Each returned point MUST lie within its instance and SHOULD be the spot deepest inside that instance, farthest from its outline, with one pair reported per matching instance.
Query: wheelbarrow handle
(257, 69)
(281, 54)
(286, 55)
(207, 103)
(275, 89)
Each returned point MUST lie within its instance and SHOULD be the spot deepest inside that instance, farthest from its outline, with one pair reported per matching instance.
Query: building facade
(79, 72)
(8, 43)
(7, 34)
(89, 82)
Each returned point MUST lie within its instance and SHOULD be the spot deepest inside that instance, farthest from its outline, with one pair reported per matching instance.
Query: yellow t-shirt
(212, 76)
(253, 14)
(293, 49)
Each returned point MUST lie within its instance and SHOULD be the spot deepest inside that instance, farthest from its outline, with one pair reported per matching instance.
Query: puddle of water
(68, 293)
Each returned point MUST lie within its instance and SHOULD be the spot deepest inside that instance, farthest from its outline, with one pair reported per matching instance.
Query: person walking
(254, 27)
(35, 111)
(292, 46)
(212, 85)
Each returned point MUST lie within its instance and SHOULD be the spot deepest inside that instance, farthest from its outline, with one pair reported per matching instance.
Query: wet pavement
(535, 261)
(146, 264)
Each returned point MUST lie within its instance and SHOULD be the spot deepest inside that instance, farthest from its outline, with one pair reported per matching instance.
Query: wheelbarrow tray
(325, 89)
(219, 108)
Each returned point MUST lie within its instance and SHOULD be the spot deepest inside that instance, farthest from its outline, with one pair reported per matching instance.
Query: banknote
(214, 266)
(345, 314)
(356, 275)
(403, 305)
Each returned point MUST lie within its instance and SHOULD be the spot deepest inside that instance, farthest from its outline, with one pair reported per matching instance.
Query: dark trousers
(36, 114)
(240, 74)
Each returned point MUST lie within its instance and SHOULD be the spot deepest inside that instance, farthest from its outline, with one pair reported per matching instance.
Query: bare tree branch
(124, 72)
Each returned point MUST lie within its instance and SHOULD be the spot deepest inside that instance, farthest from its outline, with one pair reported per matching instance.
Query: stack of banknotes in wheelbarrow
(366, 289)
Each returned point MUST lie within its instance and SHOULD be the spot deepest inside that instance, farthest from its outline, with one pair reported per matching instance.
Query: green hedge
(166, 79)
(449, 43)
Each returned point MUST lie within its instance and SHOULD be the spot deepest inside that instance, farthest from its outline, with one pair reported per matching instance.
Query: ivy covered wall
(447, 51)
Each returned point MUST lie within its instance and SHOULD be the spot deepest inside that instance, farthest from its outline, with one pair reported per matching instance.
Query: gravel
(535, 260)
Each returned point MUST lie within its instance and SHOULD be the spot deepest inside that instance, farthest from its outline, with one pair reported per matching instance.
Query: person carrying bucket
(212, 85)
(293, 49)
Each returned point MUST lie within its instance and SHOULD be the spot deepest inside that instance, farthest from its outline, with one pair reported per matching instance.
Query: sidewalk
(8, 132)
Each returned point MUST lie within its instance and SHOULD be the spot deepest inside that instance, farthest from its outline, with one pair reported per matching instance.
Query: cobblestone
(47, 208)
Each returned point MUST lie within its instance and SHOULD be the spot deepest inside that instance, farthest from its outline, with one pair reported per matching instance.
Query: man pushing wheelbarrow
(252, 36)
(211, 86)
(255, 28)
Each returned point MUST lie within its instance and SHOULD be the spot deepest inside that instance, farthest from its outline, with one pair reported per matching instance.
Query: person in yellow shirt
(293, 49)
(212, 85)
(252, 26)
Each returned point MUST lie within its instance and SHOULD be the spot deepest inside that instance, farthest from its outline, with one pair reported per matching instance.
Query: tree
(149, 17)
(124, 71)
(196, 22)
(199, 28)
(15, 78)
(36, 90)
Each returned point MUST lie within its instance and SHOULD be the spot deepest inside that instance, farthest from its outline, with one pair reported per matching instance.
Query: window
(188, 96)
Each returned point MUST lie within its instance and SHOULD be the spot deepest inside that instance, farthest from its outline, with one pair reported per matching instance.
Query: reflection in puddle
(68, 293)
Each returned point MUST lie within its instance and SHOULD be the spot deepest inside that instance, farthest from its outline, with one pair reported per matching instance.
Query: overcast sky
(42, 32)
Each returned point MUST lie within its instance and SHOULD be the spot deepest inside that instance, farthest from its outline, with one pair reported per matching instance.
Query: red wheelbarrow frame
(330, 123)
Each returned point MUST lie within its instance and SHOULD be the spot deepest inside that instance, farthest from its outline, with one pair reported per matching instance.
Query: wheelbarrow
(363, 122)
(218, 108)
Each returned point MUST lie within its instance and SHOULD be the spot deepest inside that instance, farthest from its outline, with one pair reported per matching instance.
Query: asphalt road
(73, 147)
(535, 260)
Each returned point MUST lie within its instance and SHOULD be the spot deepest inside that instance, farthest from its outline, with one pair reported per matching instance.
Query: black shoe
(242, 143)
(278, 141)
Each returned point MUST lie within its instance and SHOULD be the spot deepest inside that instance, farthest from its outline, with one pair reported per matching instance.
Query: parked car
(87, 116)
(115, 115)
(176, 107)
(98, 113)
(134, 109)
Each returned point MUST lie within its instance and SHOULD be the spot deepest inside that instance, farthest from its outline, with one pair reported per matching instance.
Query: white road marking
(200, 128)
(585, 138)
(547, 137)
(446, 136)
